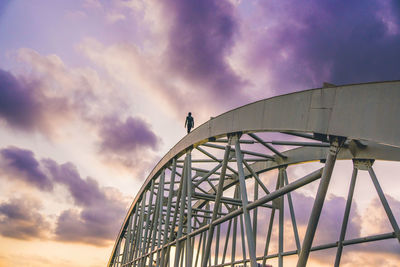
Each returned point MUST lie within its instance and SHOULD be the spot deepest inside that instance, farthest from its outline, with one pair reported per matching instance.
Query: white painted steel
(367, 113)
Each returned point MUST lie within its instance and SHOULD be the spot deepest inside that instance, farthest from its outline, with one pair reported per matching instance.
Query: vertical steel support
(346, 217)
(127, 239)
(292, 214)
(168, 215)
(134, 233)
(151, 242)
(196, 224)
(255, 212)
(226, 241)
(216, 205)
(181, 255)
(242, 239)
(117, 253)
(198, 249)
(177, 209)
(233, 254)
(271, 223)
(181, 215)
(247, 221)
(156, 216)
(189, 209)
(146, 232)
(205, 221)
(385, 203)
(281, 220)
(160, 217)
(318, 203)
(203, 246)
(217, 241)
(141, 224)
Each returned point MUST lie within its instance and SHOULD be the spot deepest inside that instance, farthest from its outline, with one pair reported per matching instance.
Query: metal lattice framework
(209, 201)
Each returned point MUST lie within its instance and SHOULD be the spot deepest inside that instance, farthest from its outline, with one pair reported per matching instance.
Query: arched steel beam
(360, 112)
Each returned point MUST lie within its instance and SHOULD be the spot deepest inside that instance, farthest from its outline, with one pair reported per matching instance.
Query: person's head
(190, 113)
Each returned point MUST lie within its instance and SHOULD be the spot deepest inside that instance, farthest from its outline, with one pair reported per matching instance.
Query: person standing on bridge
(189, 123)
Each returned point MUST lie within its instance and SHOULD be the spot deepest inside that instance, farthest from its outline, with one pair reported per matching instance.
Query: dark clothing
(189, 123)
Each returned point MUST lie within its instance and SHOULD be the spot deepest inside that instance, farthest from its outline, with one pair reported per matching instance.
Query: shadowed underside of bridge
(218, 196)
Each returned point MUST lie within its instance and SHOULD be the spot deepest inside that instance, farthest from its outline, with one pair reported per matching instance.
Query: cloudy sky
(94, 92)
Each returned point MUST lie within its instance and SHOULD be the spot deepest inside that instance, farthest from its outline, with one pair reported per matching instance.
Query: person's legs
(189, 128)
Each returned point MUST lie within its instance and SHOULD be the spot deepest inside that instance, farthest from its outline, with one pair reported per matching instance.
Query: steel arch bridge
(209, 201)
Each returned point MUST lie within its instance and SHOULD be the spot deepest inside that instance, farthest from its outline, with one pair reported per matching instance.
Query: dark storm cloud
(128, 136)
(20, 219)
(335, 41)
(201, 36)
(19, 105)
(20, 164)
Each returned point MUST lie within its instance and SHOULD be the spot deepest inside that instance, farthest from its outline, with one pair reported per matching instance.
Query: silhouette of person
(189, 122)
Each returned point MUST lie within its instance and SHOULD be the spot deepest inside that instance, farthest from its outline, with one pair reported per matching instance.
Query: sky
(94, 92)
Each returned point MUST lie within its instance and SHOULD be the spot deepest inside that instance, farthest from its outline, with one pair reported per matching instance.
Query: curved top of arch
(368, 111)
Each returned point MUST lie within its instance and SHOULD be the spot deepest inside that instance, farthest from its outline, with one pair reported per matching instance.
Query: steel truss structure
(209, 201)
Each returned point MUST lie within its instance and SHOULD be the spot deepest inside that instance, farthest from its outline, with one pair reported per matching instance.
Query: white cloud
(114, 17)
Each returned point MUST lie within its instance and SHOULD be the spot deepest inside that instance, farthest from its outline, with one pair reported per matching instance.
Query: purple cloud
(19, 105)
(25, 106)
(128, 136)
(327, 41)
(20, 219)
(199, 40)
(20, 164)
(84, 192)
(330, 222)
(329, 226)
(96, 225)
(331, 217)
(95, 220)
(101, 209)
